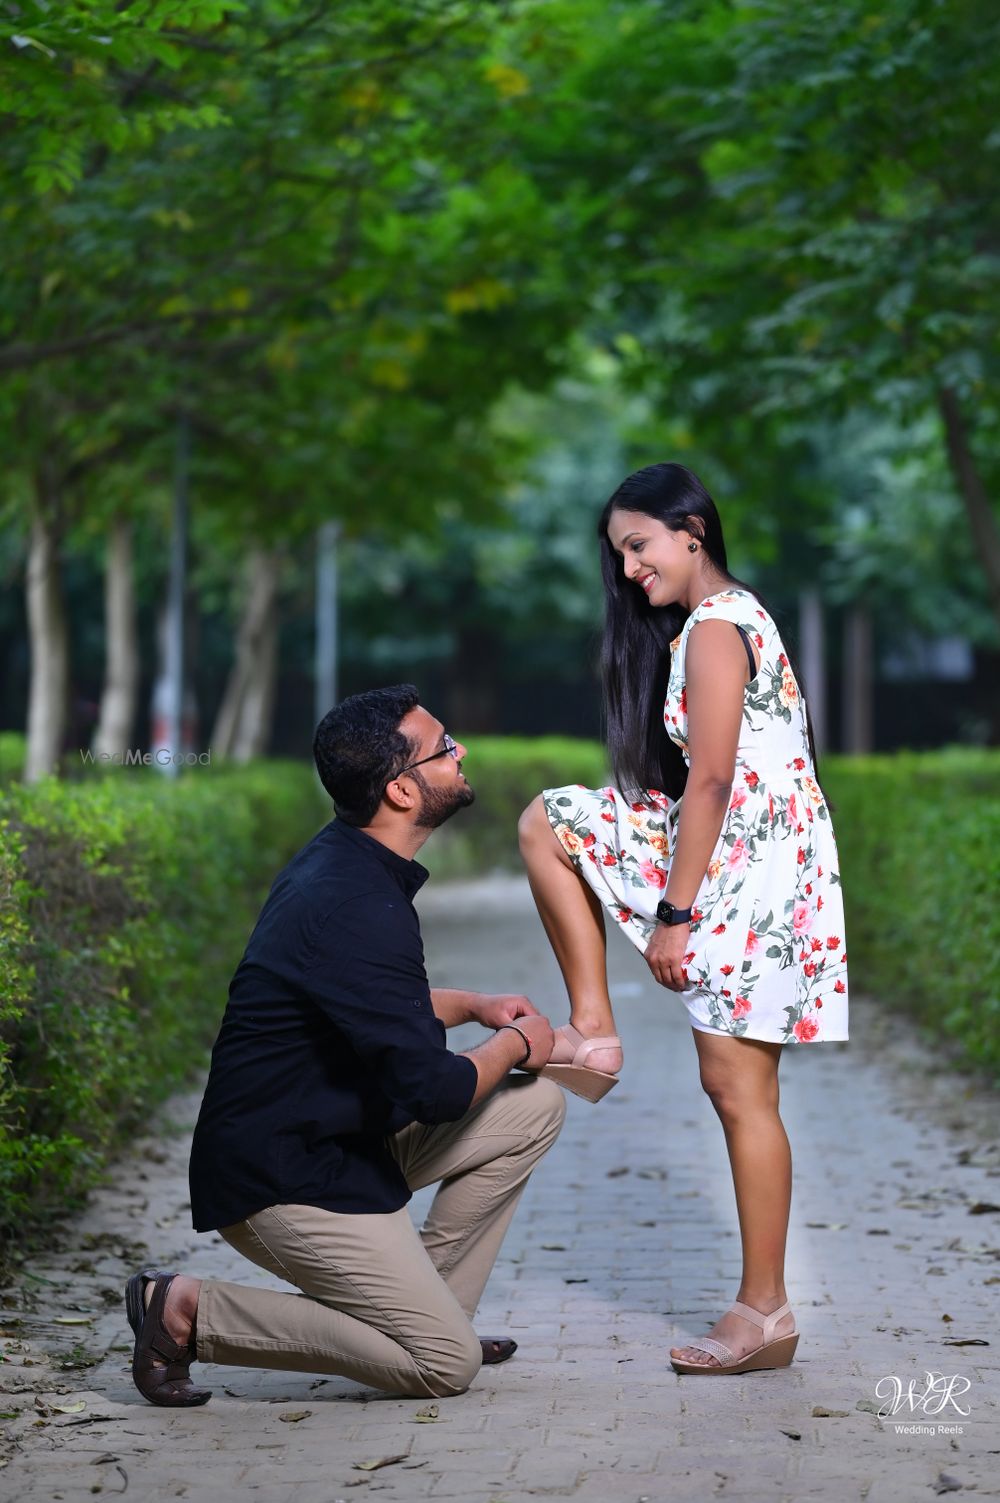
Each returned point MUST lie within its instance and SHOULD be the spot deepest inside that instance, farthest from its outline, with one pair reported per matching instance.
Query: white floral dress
(767, 956)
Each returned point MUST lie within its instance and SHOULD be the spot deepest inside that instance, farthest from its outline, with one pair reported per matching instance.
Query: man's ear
(398, 795)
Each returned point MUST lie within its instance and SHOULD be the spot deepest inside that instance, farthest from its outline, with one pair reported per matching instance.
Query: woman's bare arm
(715, 677)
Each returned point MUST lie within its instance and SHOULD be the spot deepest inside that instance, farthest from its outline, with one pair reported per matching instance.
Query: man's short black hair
(359, 748)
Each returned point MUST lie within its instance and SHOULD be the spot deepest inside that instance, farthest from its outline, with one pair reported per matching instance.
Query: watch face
(665, 911)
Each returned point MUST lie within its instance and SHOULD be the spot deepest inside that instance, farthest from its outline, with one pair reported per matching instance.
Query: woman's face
(654, 558)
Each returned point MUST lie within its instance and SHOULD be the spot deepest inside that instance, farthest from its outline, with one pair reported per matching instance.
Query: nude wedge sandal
(566, 1063)
(771, 1352)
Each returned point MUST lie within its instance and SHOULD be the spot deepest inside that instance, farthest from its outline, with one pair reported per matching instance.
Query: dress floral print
(768, 957)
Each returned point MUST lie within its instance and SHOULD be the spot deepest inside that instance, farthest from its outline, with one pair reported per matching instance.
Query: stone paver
(624, 1242)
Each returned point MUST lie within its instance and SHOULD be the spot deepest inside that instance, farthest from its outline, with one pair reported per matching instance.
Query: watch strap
(668, 913)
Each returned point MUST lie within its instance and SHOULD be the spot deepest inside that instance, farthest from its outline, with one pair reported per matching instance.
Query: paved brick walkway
(625, 1240)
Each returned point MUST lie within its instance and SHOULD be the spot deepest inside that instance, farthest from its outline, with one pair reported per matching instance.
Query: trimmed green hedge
(919, 838)
(125, 903)
(13, 747)
(126, 900)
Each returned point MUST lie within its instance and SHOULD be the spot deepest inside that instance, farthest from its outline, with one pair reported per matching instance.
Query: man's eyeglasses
(450, 749)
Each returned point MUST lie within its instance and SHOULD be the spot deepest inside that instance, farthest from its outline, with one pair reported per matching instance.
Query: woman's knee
(734, 1093)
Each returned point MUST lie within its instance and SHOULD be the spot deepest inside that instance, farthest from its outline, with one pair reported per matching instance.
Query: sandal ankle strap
(159, 1338)
(589, 1045)
(767, 1323)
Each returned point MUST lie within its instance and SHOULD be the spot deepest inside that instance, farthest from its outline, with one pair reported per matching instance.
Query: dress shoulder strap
(744, 638)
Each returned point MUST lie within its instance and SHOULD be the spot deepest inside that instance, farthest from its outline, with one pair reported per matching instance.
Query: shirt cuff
(455, 1096)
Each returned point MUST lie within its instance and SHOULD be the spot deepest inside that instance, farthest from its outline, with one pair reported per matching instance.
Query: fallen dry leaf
(429, 1415)
(819, 1412)
(380, 1461)
(73, 1320)
(868, 1405)
(982, 1208)
(793, 1434)
(76, 1408)
(965, 1341)
(294, 1415)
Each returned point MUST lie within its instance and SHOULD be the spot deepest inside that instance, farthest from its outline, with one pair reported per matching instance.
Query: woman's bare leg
(573, 919)
(741, 1078)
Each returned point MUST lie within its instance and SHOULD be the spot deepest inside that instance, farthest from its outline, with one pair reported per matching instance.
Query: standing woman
(732, 892)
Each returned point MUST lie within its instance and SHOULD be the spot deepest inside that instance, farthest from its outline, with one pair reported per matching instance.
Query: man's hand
(665, 955)
(492, 1011)
(538, 1031)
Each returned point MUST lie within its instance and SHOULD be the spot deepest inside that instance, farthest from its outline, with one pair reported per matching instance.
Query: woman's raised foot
(585, 1064)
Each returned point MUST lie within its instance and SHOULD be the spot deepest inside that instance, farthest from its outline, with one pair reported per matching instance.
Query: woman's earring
(692, 547)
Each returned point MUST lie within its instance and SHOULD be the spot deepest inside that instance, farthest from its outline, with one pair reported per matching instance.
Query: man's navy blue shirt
(329, 1043)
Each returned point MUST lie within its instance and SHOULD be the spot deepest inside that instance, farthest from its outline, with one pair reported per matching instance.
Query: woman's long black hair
(635, 656)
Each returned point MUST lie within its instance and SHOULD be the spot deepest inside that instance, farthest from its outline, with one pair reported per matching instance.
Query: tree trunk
(813, 659)
(47, 633)
(243, 725)
(858, 681)
(121, 653)
(971, 488)
(175, 656)
(327, 566)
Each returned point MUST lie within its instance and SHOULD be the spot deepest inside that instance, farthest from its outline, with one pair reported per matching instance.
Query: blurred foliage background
(441, 274)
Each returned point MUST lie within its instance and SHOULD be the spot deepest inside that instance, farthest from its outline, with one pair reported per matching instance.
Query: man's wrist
(520, 1037)
(473, 1007)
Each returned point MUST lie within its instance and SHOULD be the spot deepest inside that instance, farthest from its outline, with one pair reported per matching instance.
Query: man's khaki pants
(379, 1302)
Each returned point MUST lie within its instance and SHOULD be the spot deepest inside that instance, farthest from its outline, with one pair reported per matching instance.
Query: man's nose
(461, 750)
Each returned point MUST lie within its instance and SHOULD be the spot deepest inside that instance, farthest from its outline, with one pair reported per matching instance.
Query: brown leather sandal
(160, 1365)
(497, 1350)
(135, 1296)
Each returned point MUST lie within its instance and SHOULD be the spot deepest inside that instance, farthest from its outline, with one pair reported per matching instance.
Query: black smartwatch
(668, 914)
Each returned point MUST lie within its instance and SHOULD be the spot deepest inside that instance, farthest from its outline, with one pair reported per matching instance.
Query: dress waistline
(767, 779)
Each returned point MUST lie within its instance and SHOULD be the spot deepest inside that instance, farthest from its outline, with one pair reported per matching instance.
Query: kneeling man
(332, 1095)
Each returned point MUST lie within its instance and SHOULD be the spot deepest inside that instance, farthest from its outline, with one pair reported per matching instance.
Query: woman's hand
(665, 955)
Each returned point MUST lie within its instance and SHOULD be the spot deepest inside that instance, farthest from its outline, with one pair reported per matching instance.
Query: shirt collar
(410, 875)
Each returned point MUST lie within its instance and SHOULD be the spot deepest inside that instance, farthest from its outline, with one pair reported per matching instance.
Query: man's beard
(439, 804)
